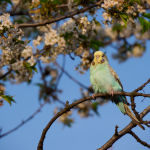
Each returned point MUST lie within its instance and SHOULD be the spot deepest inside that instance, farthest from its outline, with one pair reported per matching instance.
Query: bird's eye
(103, 55)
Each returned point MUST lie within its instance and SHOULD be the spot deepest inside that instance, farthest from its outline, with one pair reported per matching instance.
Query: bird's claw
(93, 95)
(112, 92)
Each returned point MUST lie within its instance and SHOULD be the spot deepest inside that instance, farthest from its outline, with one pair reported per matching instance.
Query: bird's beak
(99, 59)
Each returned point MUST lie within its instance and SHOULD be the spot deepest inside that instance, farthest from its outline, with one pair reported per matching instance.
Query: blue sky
(90, 133)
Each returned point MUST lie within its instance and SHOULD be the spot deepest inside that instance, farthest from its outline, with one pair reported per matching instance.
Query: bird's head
(99, 58)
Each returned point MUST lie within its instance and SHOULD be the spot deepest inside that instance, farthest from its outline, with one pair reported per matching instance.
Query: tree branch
(124, 131)
(60, 18)
(16, 6)
(24, 122)
(138, 139)
(62, 71)
(114, 138)
(142, 86)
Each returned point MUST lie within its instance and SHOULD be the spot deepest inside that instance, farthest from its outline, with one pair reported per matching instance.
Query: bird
(104, 79)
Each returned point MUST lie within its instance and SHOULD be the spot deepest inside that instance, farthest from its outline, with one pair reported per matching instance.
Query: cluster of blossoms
(119, 5)
(14, 50)
(68, 39)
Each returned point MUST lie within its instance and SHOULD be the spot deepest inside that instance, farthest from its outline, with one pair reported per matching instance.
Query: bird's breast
(103, 81)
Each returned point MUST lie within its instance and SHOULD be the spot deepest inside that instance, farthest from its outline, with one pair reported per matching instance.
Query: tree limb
(142, 86)
(114, 138)
(124, 131)
(60, 18)
(138, 139)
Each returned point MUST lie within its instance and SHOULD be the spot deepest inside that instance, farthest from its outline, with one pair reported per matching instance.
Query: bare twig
(25, 121)
(60, 18)
(62, 71)
(116, 130)
(138, 139)
(142, 86)
(70, 76)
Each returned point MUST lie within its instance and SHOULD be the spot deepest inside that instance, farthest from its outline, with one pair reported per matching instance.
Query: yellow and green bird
(105, 80)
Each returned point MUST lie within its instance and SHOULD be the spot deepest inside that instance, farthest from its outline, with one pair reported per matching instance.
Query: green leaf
(62, 13)
(82, 36)
(95, 108)
(96, 47)
(138, 1)
(8, 98)
(68, 36)
(147, 15)
(30, 68)
(96, 44)
(43, 1)
(34, 68)
(95, 31)
(144, 23)
(117, 27)
(57, 2)
(97, 23)
(39, 84)
(124, 18)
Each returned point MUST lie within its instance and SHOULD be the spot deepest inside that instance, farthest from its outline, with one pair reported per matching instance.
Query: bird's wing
(114, 74)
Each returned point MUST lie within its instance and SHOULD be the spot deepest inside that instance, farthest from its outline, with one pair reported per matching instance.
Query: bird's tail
(131, 115)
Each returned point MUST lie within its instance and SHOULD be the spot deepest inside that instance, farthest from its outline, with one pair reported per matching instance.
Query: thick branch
(114, 138)
(60, 18)
(126, 130)
(25, 121)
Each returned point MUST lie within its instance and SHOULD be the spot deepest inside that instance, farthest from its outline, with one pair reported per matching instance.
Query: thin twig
(70, 76)
(138, 139)
(45, 83)
(62, 71)
(116, 130)
(25, 121)
(142, 86)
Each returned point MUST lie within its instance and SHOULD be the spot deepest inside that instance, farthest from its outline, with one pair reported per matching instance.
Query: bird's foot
(93, 95)
(112, 92)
